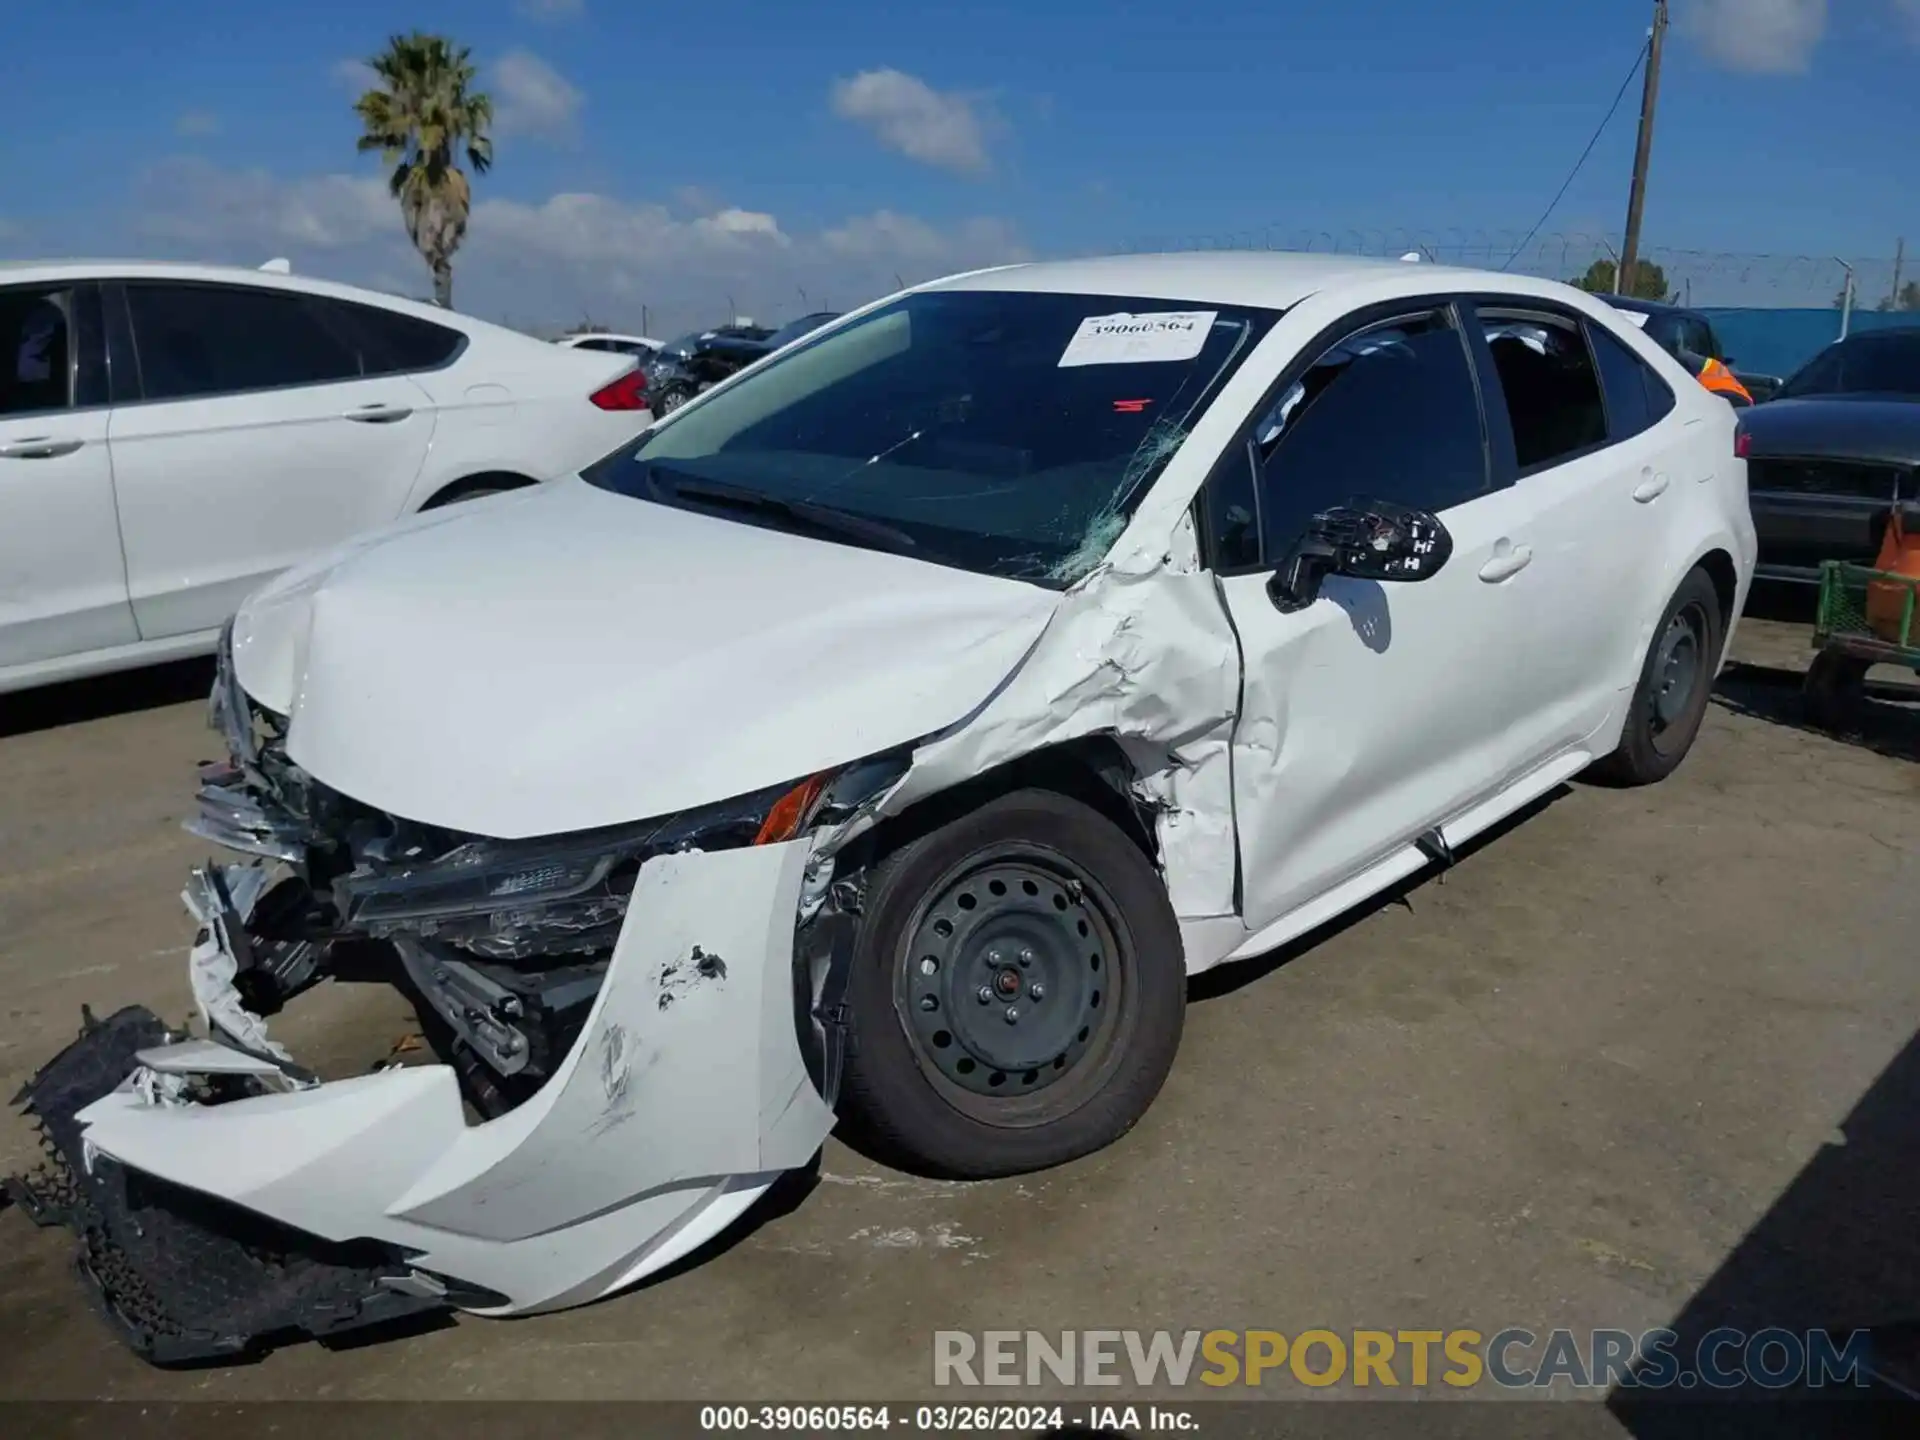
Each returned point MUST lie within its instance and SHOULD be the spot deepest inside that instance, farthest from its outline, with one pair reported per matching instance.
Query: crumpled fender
(1140, 649)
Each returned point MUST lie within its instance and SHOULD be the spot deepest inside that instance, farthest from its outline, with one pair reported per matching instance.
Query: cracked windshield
(999, 431)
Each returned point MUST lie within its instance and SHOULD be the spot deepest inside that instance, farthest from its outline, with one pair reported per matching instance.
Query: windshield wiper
(806, 512)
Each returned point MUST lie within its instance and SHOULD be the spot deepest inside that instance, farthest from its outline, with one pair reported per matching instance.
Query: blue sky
(679, 157)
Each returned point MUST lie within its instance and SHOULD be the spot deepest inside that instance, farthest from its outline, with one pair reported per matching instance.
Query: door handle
(378, 414)
(1505, 567)
(40, 447)
(1652, 488)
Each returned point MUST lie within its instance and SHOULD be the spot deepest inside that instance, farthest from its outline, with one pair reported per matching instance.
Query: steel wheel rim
(1679, 664)
(1036, 920)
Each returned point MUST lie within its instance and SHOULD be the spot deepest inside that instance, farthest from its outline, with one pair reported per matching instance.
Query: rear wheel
(1675, 683)
(1836, 690)
(1017, 993)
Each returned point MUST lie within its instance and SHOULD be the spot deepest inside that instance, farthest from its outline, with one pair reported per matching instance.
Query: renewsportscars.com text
(1513, 1358)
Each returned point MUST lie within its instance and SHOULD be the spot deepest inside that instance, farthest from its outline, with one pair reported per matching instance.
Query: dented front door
(1379, 710)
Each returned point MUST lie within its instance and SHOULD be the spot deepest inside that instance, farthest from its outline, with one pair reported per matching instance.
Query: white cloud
(898, 239)
(1760, 37)
(197, 123)
(552, 261)
(908, 115)
(551, 10)
(696, 200)
(354, 75)
(731, 221)
(532, 98)
(191, 202)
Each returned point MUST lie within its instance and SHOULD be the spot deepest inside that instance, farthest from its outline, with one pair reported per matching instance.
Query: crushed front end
(622, 1048)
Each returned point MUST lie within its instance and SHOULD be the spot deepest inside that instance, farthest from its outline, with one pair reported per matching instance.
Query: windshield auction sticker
(1131, 339)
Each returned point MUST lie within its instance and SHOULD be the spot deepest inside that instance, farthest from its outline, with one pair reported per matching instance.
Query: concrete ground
(1577, 1083)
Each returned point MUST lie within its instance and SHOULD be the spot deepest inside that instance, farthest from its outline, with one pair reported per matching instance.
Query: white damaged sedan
(886, 736)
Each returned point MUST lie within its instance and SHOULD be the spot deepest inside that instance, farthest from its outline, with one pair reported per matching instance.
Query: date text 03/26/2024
(944, 1419)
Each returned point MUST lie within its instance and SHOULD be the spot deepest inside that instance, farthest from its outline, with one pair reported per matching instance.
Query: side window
(224, 339)
(1547, 376)
(1390, 413)
(1232, 513)
(1628, 384)
(1659, 396)
(37, 349)
(388, 343)
(1697, 337)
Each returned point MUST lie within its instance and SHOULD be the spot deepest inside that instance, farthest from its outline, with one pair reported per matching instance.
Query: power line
(1560, 194)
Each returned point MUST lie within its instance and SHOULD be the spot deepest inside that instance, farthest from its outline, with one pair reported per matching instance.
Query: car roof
(20, 271)
(609, 335)
(1270, 279)
(1883, 332)
(1646, 307)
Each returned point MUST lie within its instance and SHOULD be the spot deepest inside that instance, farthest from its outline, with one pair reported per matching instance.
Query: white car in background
(641, 347)
(887, 734)
(171, 436)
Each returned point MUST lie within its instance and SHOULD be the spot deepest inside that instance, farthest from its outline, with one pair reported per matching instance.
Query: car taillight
(625, 392)
(1742, 444)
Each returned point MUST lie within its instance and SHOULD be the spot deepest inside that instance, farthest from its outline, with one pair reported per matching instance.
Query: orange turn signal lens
(791, 811)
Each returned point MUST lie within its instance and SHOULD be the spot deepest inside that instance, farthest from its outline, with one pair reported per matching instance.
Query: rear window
(1007, 432)
(1862, 365)
(1637, 399)
(388, 343)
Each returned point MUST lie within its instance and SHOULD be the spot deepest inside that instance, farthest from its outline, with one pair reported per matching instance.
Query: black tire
(1661, 725)
(1836, 690)
(671, 399)
(1062, 893)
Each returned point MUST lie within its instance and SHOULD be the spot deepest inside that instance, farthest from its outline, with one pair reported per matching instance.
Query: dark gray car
(1689, 336)
(1829, 459)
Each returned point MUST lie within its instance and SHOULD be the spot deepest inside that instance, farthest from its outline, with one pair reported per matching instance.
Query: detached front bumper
(209, 1227)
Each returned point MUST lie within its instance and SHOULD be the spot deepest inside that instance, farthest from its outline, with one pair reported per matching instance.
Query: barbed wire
(1695, 276)
(1563, 255)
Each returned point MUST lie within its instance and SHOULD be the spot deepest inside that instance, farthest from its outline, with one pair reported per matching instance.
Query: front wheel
(1017, 992)
(1670, 701)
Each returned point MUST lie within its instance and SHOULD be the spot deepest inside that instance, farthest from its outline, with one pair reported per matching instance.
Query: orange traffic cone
(1888, 600)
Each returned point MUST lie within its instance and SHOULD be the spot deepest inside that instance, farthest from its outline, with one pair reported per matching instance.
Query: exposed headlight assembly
(512, 898)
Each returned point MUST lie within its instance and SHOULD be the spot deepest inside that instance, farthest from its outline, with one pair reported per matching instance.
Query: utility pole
(1637, 197)
(1899, 264)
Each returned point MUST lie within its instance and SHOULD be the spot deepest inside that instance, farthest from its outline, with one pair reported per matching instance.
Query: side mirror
(1363, 540)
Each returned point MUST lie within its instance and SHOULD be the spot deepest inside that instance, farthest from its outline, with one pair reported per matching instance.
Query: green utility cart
(1867, 617)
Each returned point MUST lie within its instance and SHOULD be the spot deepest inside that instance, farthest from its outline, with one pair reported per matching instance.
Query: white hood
(565, 657)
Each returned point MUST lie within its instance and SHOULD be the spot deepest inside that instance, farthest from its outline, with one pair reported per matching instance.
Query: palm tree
(423, 113)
